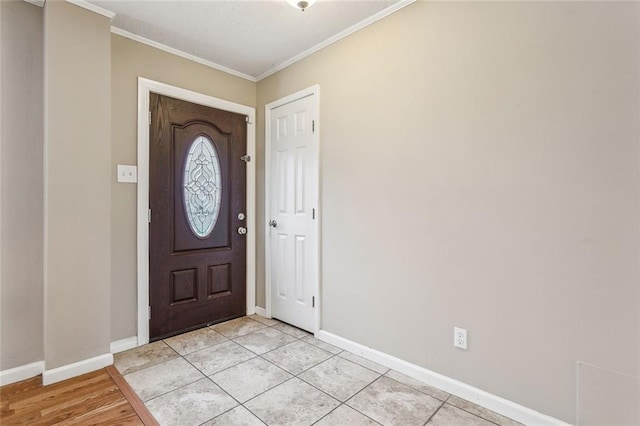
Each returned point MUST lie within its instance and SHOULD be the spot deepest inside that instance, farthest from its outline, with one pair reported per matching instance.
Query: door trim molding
(145, 88)
(309, 91)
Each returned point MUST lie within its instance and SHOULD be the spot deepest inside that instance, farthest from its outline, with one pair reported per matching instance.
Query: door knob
(242, 230)
(273, 223)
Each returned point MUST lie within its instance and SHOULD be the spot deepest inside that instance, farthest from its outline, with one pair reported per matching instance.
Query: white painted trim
(160, 46)
(124, 344)
(262, 312)
(485, 399)
(357, 27)
(22, 372)
(39, 3)
(309, 91)
(360, 25)
(76, 369)
(145, 87)
(93, 8)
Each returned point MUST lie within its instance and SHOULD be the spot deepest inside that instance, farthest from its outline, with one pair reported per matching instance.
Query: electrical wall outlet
(460, 338)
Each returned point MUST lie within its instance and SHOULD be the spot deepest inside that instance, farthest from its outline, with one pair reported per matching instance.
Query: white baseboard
(495, 403)
(124, 344)
(77, 368)
(22, 372)
(261, 311)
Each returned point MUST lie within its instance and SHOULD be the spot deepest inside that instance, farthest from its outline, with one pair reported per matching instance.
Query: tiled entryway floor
(255, 371)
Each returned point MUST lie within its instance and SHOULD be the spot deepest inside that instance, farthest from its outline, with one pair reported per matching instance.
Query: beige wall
(480, 169)
(21, 184)
(130, 59)
(77, 184)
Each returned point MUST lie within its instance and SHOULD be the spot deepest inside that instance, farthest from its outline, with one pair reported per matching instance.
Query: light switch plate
(127, 174)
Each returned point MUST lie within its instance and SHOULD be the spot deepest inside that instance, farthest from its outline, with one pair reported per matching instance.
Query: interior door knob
(273, 223)
(242, 230)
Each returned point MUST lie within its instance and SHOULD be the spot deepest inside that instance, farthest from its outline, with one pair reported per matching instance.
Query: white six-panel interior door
(292, 212)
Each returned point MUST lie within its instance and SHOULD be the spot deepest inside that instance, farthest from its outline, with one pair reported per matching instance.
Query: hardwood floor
(102, 397)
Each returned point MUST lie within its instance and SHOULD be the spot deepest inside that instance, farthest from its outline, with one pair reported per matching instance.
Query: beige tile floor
(256, 371)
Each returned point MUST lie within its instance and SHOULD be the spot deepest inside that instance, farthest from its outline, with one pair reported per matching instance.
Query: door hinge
(246, 158)
(313, 214)
(149, 118)
(313, 126)
(246, 118)
(149, 215)
(149, 312)
(313, 301)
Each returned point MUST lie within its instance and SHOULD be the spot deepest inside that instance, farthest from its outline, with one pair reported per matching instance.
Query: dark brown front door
(197, 191)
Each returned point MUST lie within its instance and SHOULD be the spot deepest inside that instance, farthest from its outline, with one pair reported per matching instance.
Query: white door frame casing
(309, 91)
(145, 88)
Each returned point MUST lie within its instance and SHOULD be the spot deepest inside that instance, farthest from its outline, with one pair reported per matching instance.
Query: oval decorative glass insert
(202, 186)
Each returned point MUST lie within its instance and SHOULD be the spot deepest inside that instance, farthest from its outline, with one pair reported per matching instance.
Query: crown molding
(143, 40)
(92, 7)
(124, 33)
(39, 3)
(357, 27)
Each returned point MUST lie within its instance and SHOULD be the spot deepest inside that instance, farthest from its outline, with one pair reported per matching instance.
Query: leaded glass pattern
(202, 186)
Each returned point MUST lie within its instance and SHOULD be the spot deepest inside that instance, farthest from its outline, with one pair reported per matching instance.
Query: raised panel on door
(299, 181)
(283, 283)
(299, 270)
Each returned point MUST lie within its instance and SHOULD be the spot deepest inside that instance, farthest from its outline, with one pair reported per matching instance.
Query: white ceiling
(254, 38)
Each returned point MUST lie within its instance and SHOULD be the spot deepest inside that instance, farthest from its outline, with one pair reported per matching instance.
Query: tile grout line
(435, 412)
(370, 369)
(418, 390)
(220, 387)
(356, 394)
(229, 395)
(331, 411)
(229, 339)
(257, 356)
(342, 402)
(179, 387)
(262, 393)
(296, 376)
(205, 375)
(152, 365)
(302, 339)
(473, 414)
(257, 395)
(442, 402)
(282, 368)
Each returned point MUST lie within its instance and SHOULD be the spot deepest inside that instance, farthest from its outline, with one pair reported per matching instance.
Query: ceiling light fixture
(301, 4)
